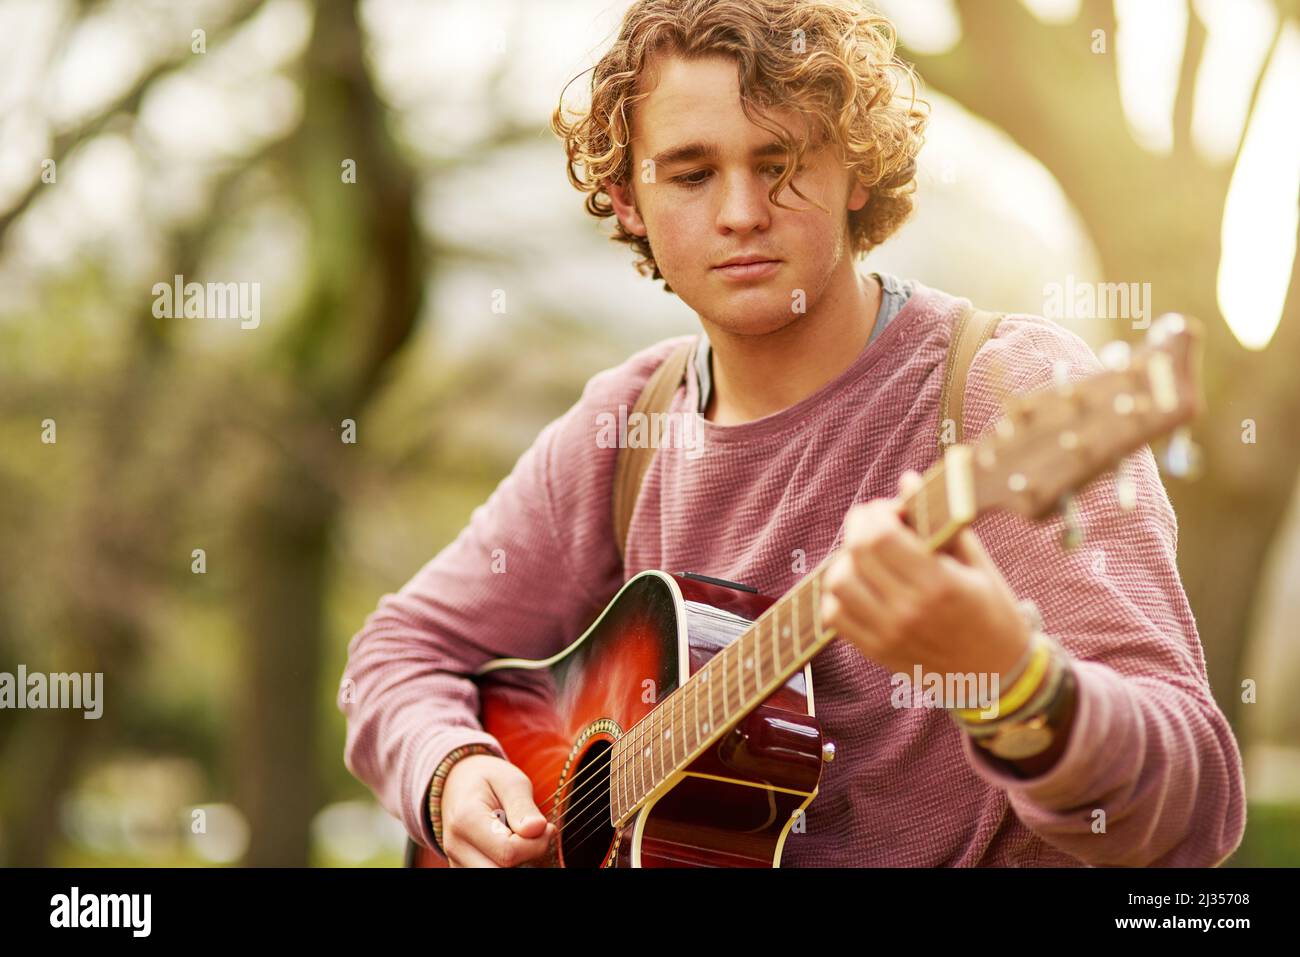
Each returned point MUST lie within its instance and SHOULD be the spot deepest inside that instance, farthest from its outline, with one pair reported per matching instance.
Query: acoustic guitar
(679, 729)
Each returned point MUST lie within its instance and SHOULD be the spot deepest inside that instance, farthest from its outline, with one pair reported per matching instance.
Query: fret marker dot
(668, 732)
(706, 727)
(647, 750)
(749, 662)
(785, 632)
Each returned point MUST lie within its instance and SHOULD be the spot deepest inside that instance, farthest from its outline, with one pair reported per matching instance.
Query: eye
(689, 183)
(688, 180)
(779, 168)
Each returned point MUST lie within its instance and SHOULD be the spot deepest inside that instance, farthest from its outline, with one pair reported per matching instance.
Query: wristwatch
(1017, 739)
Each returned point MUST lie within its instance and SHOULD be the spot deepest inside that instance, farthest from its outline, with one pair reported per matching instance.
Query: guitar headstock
(1053, 441)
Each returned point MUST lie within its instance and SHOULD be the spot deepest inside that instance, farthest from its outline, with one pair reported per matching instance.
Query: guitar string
(763, 658)
(577, 800)
(597, 818)
(585, 823)
(584, 796)
(584, 791)
(594, 821)
(552, 800)
(587, 830)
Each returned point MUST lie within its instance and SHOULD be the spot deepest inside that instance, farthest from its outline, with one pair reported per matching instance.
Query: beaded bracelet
(1023, 679)
(1034, 620)
(1021, 689)
(1041, 700)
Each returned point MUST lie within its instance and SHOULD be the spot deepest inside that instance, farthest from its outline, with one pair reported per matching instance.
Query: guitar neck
(763, 657)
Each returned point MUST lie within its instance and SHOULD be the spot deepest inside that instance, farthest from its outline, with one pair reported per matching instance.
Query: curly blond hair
(831, 60)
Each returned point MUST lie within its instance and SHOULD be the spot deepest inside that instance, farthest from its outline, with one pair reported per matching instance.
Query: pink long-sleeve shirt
(1149, 748)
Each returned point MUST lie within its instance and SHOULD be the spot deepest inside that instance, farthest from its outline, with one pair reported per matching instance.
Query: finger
(970, 564)
(967, 549)
(865, 525)
(851, 623)
(465, 855)
(908, 483)
(848, 600)
(487, 832)
(906, 557)
(515, 793)
(877, 542)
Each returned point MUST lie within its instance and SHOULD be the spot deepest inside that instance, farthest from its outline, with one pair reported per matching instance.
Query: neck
(758, 375)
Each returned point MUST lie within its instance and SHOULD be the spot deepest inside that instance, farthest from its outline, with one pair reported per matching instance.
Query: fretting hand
(902, 605)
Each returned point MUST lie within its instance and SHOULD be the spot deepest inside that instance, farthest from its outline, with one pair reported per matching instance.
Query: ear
(623, 199)
(858, 196)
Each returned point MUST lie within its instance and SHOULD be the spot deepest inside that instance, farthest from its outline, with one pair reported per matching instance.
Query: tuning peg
(1165, 327)
(1115, 355)
(1071, 530)
(1125, 487)
(1182, 456)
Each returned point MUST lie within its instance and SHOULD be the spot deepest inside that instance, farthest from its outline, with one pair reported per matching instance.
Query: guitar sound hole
(586, 834)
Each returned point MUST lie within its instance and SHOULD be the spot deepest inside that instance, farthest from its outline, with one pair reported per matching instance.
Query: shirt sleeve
(1151, 773)
(525, 576)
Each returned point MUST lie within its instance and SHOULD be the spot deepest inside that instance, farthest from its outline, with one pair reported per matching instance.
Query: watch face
(1023, 742)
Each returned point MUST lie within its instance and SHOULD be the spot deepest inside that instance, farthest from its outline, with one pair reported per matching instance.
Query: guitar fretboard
(749, 669)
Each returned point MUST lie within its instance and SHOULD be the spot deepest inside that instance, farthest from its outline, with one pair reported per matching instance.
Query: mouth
(755, 269)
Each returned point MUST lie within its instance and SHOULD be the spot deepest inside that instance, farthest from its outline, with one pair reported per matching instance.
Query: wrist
(1014, 684)
(438, 784)
(1027, 735)
(1019, 695)
(1030, 627)
(1061, 718)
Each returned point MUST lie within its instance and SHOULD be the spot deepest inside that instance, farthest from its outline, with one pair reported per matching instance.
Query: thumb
(908, 483)
(515, 793)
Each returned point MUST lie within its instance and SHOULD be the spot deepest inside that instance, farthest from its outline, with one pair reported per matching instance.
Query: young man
(819, 387)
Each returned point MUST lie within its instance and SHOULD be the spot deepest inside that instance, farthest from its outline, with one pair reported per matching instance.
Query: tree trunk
(364, 297)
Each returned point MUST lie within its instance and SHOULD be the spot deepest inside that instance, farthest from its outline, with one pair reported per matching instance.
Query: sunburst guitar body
(559, 720)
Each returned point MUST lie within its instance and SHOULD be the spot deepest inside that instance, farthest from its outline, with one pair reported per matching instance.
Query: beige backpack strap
(631, 465)
(974, 328)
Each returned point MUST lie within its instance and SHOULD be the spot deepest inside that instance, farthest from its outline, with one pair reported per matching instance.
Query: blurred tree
(364, 287)
(96, 535)
(1153, 218)
(281, 417)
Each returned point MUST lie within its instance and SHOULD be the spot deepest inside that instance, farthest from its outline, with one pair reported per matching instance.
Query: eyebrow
(699, 150)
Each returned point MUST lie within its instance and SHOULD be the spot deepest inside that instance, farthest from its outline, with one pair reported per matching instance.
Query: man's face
(701, 210)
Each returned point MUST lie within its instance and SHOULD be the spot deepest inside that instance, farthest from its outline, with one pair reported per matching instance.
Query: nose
(745, 205)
